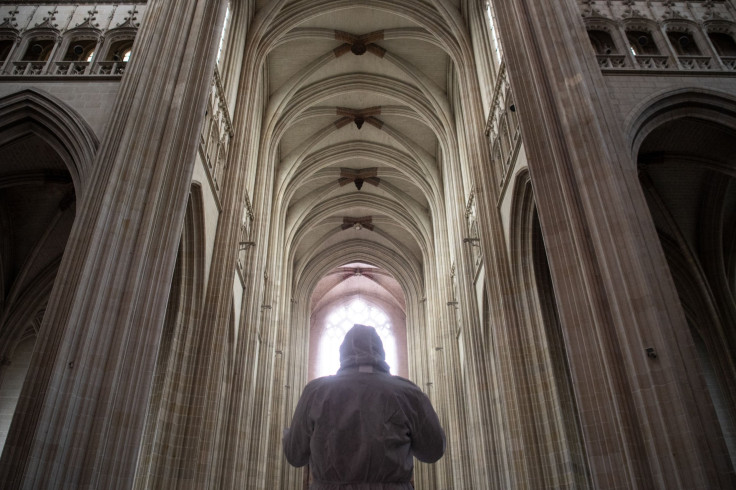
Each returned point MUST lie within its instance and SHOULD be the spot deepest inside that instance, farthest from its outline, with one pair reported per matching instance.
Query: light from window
(641, 43)
(337, 325)
(126, 55)
(224, 30)
(494, 35)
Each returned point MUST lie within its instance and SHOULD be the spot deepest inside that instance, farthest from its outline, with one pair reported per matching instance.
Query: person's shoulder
(408, 391)
(405, 383)
(317, 383)
(321, 380)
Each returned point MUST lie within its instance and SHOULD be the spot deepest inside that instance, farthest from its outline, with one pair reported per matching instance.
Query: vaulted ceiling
(359, 121)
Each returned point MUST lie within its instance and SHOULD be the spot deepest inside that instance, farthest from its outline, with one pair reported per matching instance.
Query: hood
(362, 346)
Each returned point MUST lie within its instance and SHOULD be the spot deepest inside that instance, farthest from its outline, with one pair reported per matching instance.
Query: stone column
(647, 423)
(81, 418)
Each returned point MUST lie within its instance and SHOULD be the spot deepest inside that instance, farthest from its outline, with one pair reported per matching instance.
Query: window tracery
(340, 321)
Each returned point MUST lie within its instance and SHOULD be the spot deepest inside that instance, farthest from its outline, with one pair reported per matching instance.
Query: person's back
(360, 428)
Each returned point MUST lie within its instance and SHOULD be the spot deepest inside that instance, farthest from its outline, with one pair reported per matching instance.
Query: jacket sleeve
(428, 438)
(296, 438)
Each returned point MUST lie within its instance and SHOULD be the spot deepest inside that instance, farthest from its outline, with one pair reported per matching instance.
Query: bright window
(224, 31)
(494, 35)
(337, 325)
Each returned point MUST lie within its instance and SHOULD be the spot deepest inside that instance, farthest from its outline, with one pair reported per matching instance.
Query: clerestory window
(602, 42)
(39, 50)
(6, 45)
(642, 43)
(684, 43)
(120, 51)
(81, 50)
(724, 43)
(224, 31)
(494, 34)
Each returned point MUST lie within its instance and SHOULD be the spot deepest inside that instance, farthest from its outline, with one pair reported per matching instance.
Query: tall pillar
(81, 418)
(647, 422)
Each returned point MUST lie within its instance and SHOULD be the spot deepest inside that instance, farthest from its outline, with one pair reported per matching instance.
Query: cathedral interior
(534, 203)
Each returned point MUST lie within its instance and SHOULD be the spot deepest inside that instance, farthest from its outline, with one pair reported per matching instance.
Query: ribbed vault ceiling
(358, 90)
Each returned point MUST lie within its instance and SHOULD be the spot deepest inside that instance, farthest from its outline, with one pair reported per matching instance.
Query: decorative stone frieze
(660, 35)
(68, 39)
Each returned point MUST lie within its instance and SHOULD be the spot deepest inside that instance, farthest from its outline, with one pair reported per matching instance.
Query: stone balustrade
(661, 35)
(217, 132)
(502, 127)
(67, 39)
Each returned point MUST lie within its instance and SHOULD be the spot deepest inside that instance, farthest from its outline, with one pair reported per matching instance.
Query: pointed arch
(166, 429)
(682, 143)
(39, 113)
(547, 386)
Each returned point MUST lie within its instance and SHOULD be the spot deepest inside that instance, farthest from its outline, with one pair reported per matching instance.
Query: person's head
(362, 346)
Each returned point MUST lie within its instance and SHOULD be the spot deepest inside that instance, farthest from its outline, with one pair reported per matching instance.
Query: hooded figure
(360, 429)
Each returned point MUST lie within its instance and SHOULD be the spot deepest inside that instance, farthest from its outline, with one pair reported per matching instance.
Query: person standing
(361, 428)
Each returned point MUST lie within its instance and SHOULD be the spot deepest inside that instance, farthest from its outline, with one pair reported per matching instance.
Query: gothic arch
(683, 143)
(602, 44)
(409, 219)
(710, 105)
(9, 39)
(419, 12)
(342, 153)
(543, 375)
(44, 33)
(21, 314)
(46, 150)
(177, 363)
(403, 268)
(653, 42)
(32, 111)
(77, 51)
(116, 41)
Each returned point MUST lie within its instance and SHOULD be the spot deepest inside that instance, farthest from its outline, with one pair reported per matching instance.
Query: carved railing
(611, 61)
(217, 131)
(696, 62)
(66, 68)
(71, 67)
(729, 62)
(109, 68)
(653, 62)
(502, 127)
(27, 67)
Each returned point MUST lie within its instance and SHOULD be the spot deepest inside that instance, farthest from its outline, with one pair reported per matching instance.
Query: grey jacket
(359, 429)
